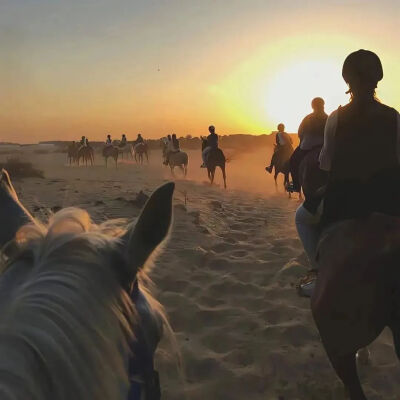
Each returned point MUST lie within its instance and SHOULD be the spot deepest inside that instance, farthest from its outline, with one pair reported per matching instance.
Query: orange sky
(84, 67)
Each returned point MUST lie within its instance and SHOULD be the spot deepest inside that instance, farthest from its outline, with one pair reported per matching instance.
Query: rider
(361, 152)
(123, 141)
(87, 142)
(82, 142)
(283, 141)
(311, 135)
(172, 147)
(175, 144)
(139, 139)
(212, 144)
(108, 141)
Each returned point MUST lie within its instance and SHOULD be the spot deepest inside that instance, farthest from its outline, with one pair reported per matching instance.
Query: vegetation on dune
(20, 169)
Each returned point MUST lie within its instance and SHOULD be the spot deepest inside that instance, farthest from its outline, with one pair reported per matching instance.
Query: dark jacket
(365, 173)
(212, 140)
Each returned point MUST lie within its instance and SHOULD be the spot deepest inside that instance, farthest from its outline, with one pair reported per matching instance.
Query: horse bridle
(141, 362)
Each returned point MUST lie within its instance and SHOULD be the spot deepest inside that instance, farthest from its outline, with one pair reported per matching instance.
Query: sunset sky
(94, 67)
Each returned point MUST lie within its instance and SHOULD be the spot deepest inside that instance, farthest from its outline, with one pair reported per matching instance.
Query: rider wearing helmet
(108, 141)
(311, 136)
(212, 144)
(282, 142)
(361, 152)
(123, 141)
(362, 147)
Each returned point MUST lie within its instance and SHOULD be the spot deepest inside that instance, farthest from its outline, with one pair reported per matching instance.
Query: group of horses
(85, 154)
(180, 159)
(78, 322)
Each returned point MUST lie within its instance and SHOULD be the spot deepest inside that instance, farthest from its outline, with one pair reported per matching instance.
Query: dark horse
(216, 158)
(357, 291)
(281, 165)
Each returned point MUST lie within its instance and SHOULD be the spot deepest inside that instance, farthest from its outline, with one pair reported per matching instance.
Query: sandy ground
(226, 279)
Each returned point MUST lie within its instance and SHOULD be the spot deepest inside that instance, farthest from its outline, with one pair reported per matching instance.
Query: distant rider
(283, 142)
(212, 144)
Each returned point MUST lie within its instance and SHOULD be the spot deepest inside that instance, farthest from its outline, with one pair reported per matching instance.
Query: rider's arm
(326, 155)
(398, 137)
(300, 132)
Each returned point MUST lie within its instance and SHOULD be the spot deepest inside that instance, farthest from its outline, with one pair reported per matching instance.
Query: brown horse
(72, 153)
(216, 158)
(111, 151)
(357, 292)
(312, 178)
(87, 155)
(280, 161)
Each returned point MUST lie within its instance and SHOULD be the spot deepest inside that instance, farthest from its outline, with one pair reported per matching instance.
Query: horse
(312, 179)
(111, 151)
(138, 150)
(281, 163)
(357, 289)
(77, 321)
(175, 159)
(87, 154)
(215, 158)
(125, 149)
(72, 153)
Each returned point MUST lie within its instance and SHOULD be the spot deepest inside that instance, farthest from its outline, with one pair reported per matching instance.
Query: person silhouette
(311, 135)
(282, 142)
(212, 144)
(361, 153)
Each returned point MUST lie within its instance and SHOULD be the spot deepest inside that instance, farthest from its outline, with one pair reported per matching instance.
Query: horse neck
(47, 352)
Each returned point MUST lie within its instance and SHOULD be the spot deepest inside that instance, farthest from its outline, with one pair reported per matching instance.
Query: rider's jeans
(307, 228)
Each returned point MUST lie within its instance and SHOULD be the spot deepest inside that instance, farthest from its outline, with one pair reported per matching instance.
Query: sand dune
(226, 278)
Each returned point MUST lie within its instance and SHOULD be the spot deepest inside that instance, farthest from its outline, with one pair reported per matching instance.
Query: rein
(141, 362)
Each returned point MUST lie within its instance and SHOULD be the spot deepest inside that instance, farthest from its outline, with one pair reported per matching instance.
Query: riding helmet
(362, 65)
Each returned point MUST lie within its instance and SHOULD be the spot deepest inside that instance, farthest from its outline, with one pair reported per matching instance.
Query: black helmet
(211, 128)
(363, 65)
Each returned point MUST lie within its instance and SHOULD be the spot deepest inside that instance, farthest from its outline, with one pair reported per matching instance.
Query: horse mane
(64, 318)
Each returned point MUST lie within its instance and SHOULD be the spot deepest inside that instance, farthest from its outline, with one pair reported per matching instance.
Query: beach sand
(226, 278)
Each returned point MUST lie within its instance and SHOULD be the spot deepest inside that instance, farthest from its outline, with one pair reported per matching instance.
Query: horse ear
(151, 229)
(13, 215)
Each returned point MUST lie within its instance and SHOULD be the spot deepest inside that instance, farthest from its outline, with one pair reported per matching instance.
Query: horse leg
(346, 369)
(275, 179)
(172, 170)
(224, 175)
(212, 175)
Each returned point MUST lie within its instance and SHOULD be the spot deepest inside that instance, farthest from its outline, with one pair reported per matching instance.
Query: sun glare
(290, 91)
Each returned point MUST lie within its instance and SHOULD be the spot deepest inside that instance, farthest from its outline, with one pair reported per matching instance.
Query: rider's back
(364, 173)
(212, 140)
(311, 131)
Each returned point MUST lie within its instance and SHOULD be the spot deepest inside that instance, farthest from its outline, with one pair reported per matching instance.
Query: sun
(290, 90)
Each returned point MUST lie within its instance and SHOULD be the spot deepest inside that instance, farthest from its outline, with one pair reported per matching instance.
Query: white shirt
(326, 155)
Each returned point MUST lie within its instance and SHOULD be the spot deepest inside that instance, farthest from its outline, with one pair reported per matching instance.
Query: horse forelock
(64, 317)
